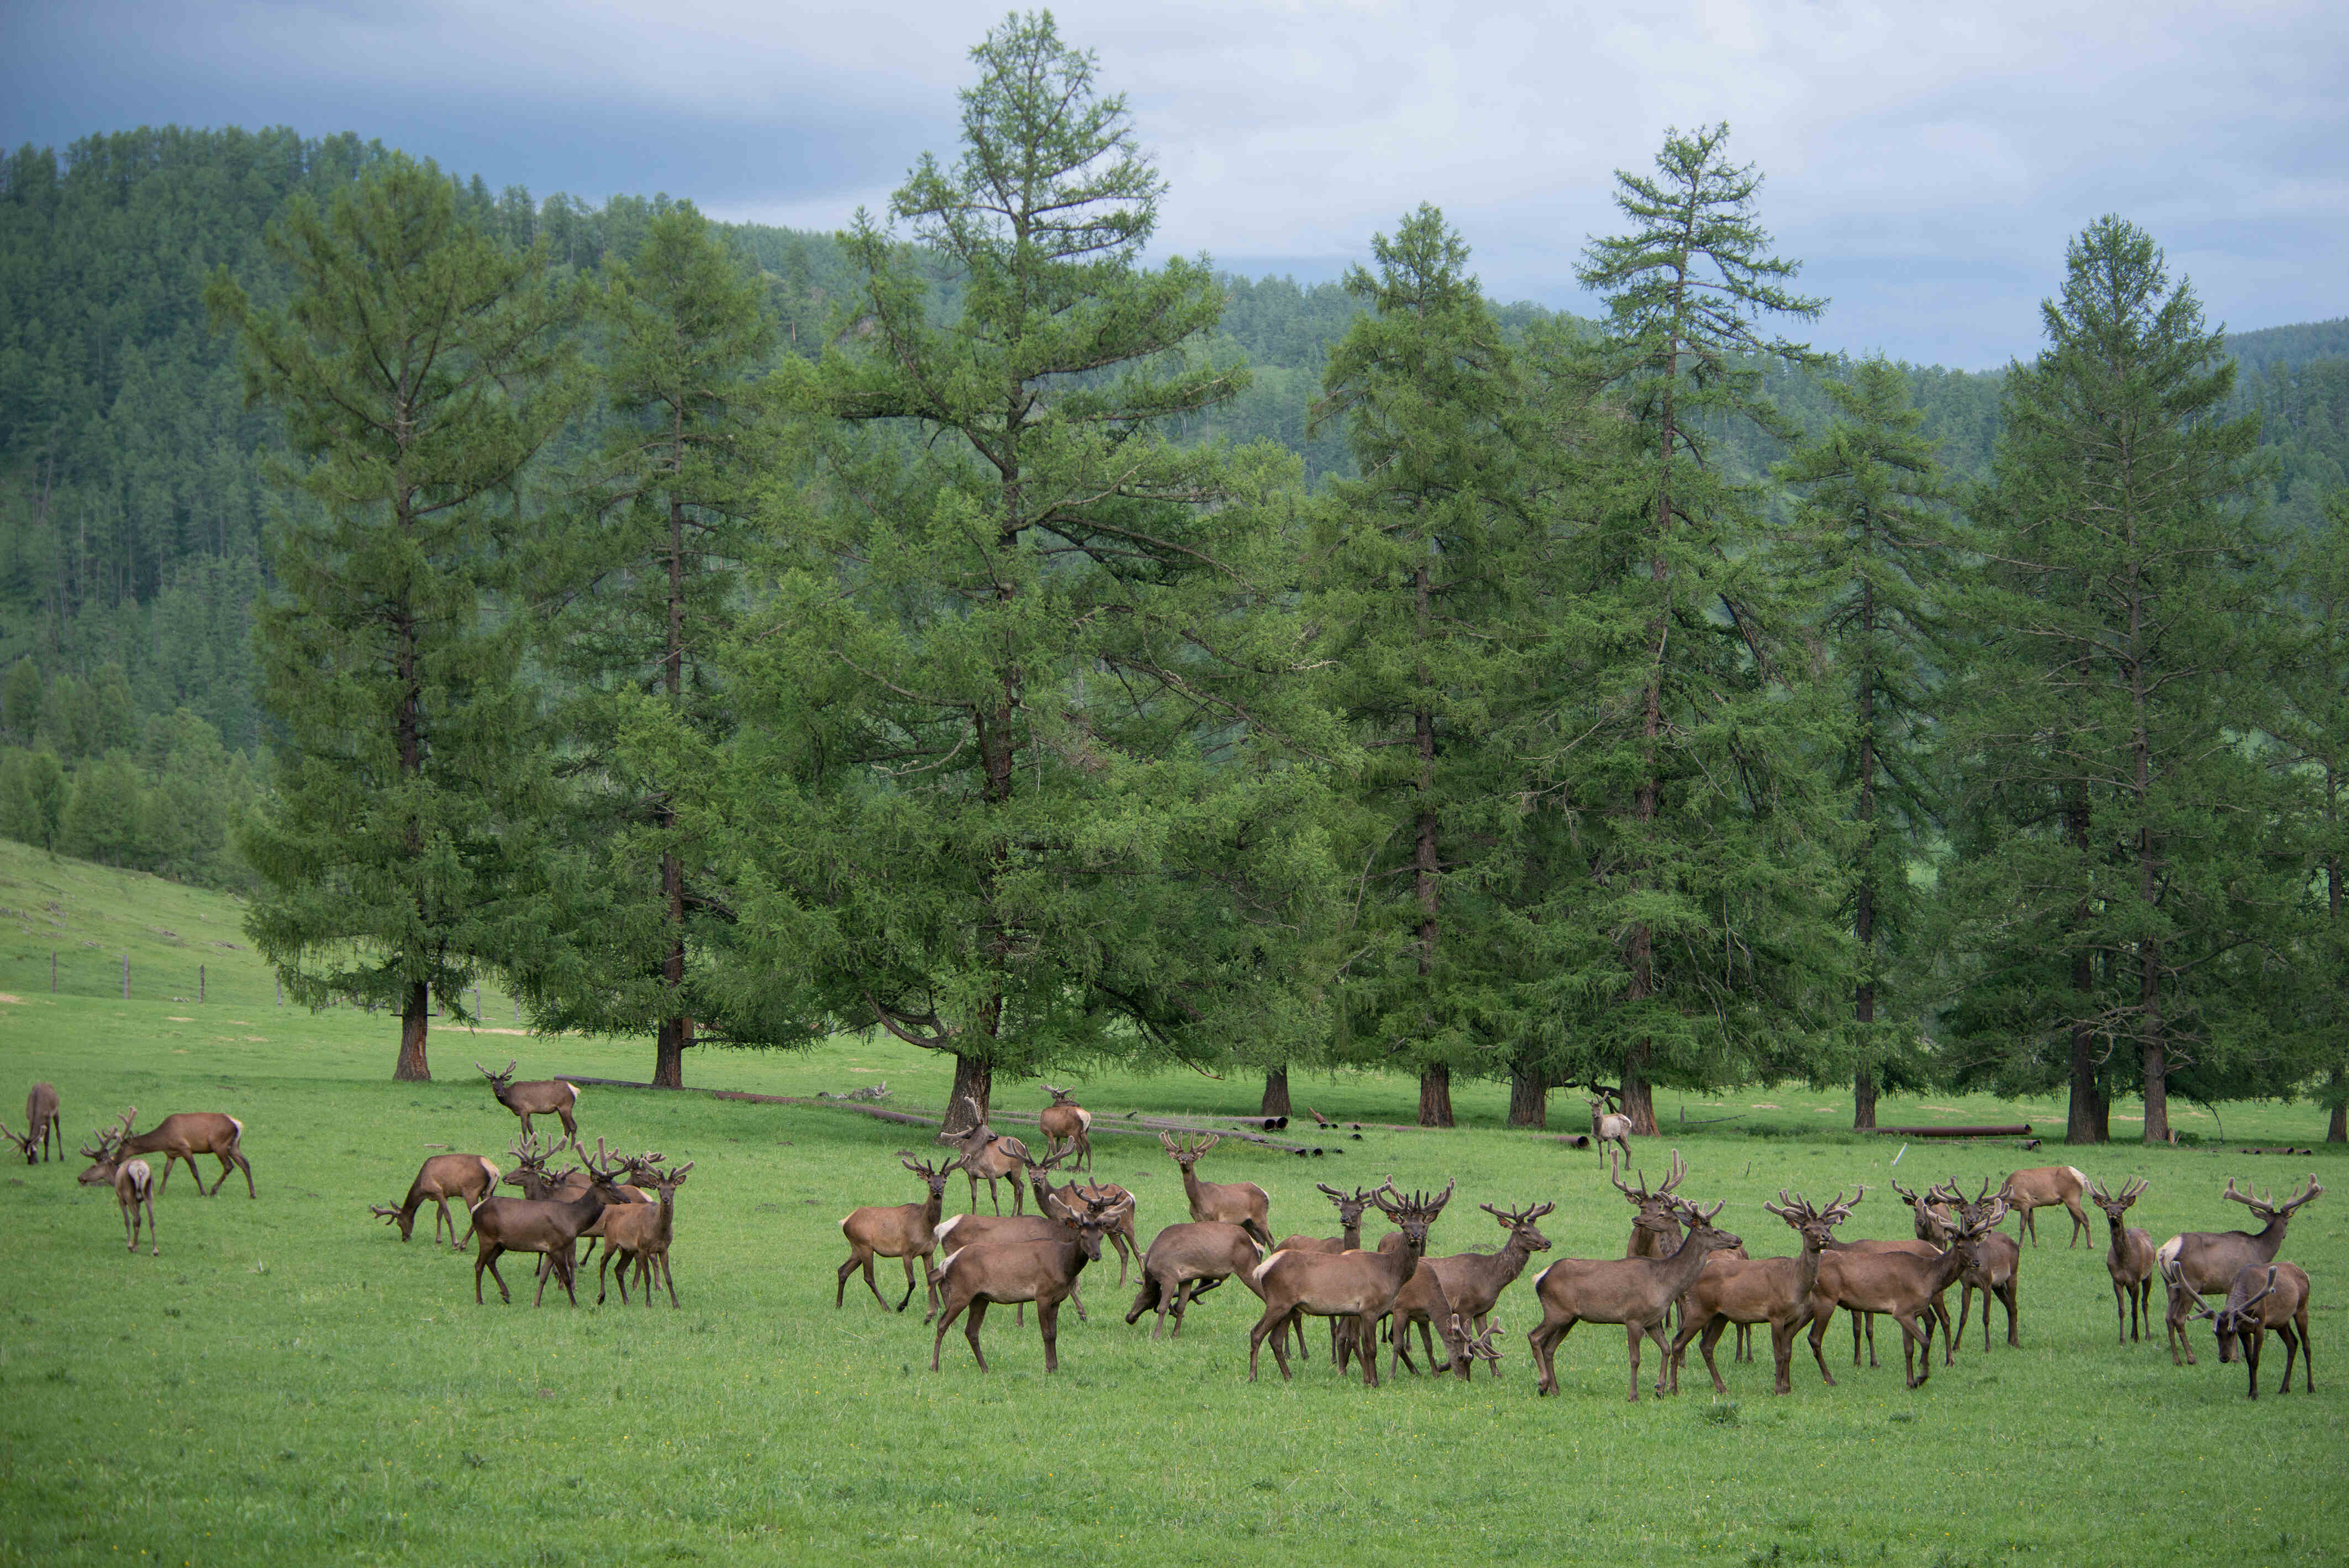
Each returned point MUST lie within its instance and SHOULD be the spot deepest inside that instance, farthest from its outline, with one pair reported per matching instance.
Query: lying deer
(2266, 1296)
(1360, 1285)
(907, 1230)
(133, 1183)
(537, 1098)
(2200, 1262)
(1240, 1203)
(984, 1156)
(1634, 1291)
(2129, 1262)
(41, 1123)
(1067, 1127)
(548, 1227)
(1755, 1290)
(468, 1177)
(1186, 1261)
(997, 1274)
(2045, 1188)
(640, 1235)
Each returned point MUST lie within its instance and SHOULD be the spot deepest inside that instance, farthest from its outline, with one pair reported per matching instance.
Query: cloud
(1929, 165)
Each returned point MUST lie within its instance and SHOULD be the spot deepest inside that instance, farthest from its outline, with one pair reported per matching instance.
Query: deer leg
(2290, 1344)
(907, 1259)
(1366, 1344)
(2251, 1357)
(1855, 1316)
(1819, 1321)
(668, 1281)
(840, 1291)
(603, 1266)
(995, 1194)
(1706, 1335)
(1182, 1301)
(2079, 1223)
(1048, 1324)
(2008, 1296)
(488, 1259)
(1920, 1340)
(1966, 1305)
(545, 1268)
(1632, 1336)
(945, 1321)
(1075, 1301)
(155, 1243)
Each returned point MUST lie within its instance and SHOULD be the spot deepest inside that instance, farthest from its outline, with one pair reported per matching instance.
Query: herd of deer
(1679, 1267)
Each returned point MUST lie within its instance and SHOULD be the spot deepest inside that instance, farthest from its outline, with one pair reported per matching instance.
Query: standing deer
(1473, 1282)
(1998, 1258)
(548, 1227)
(468, 1177)
(185, 1135)
(1047, 1224)
(2198, 1261)
(1915, 1248)
(1360, 1285)
(41, 1123)
(983, 1155)
(2130, 1260)
(1423, 1302)
(1200, 1253)
(134, 1184)
(1655, 1233)
(538, 1097)
(1755, 1291)
(907, 1230)
(2045, 1188)
(1634, 1291)
(1609, 1127)
(1071, 1197)
(2266, 1296)
(1067, 1127)
(997, 1274)
(1240, 1203)
(1348, 1238)
(640, 1235)
(1900, 1283)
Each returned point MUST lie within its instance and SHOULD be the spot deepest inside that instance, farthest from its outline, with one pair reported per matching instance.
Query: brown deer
(1350, 1209)
(984, 1156)
(537, 1098)
(41, 1123)
(1634, 1291)
(2196, 1262)
(133, 1183)
(530, 1174)
(1423, 1302)
(907, 1230)
(1360, 1285)
(549, 1228)
(1187, 1260)
(2266, 1296)
(640, 1235)
(1479, 1346)
(1608, 1127)
(1067, 1127)
(1758, 1291)
(1240, 1203)
(2129, 1261)
(2045, 1188)
(467, 1178)
(1998, 1258)
(1656, 1233)
(186, 1135)
(1913, 1247)
(999, 1274)
(1045, 1225)
(1119, 1236)
(1473, 1282)
(1900, 1283)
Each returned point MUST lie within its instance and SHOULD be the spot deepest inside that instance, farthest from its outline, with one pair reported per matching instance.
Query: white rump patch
(2166, 1254)
(575, 1090)
(239, 1127)
(1259, 1273)
(1543, 1275)
(948, 1263)
(1084, 1118)
(946, 1229)
(2079, 1176)
(490, 1169)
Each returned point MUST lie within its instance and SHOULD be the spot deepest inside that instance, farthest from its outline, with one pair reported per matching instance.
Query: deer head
(1655, 1208)
(1477, 1346)
(1352, 1207)
(24, 1144)
(1519, 1224)
(108, 1152)
(935, 1176)
(2267, 1208)
(2114, 1207)
(1186, 1154)
(1059, 1096)
(497, 1080)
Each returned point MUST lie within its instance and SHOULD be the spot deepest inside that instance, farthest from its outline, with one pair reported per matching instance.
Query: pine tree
(1874, 550)
(2315, 734)
(420, 368)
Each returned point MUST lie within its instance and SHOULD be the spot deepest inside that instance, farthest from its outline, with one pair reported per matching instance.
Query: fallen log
(2019, 1129)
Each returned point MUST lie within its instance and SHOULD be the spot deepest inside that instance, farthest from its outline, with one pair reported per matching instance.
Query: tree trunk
(1863, 1100)
(1528, 1098)
(974, 1081)
(1638, 1098)
(2156, 1092)
(2084, 1121)
(668, 1052)
(1276, 1093)
(1435, 1096)
(414, 1019)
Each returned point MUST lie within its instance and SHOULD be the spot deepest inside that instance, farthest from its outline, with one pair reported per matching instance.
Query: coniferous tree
(420, 368)
(2315, 733)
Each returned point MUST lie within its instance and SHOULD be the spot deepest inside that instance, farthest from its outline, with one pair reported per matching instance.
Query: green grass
(288, 1382)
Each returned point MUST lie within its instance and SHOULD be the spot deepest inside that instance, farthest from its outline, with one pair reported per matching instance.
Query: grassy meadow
(288, 1382)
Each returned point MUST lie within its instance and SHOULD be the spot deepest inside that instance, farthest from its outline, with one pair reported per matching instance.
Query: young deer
(1634, 1291)
(1755, 1290)
(1900, 1283)
(2129, 1262)
(186, 1135)
(1067, 1127)
(468, 1177)
(41, 1123)
(1186, 1261)
(2200, 1262)
(1360, 1285)
(2045, 1188)
(2266, 1296)
(985, 1157)
(907, 1230)
(538, 1097)
(133, 1183)
(640, 1235)
(1998, 1258)
(1608, 1127)
(548, 1227)
(1240, 1203)
(997, 1273)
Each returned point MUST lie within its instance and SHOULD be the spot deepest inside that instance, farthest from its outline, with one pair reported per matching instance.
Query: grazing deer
(1900, 1283)
(133, 1183)
(1755, 1290)
(997, 1273)
(1608, 1127)
(538, 1097)
(2130, 1260)
(1473, 1282)
(1185, 1262)
(548, 1227)
(41, 1124)
(1240, 1203)
(468, 1177)
(186, 1135)
(1998, 1259)
(1423, 1301)
(2266, 1296)
(907, 1230)
(983, 1155)
(1478, 1346)
(640, 1235)
(1634, 1291)
(2045, 1188)
(1067, 1127)
(2196, 1262)
(1360, 1285)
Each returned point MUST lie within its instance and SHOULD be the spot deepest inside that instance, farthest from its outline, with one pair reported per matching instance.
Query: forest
(964, 627)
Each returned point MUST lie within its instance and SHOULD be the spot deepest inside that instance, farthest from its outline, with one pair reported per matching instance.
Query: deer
(996, 1273)
(1422, 1300)
(41, 1123)
(1634, 1291)
(1240, 1203)
(2045, 1188)
(1901, 1283)
(2197, 1261)
(1478, 1347)
(984, 1156)
(546, 1226)
(2129, 1261)
(640, 1235)
(187, 1135)
(1914, 1247)
(1473, 1282)
(133, 1183)
(1360, 1285)
(468, 1177)
(530, 1175)
(1184, 1262)
(1350, 1209)
(1655, 1233)
(1120, 1236)
(1068, 1126)
(1999, 1259)
(907, 1230)
(537, 1098)
(1044, 1225)
(1608, 1127)
(1755, 1290)
(2266, 1296)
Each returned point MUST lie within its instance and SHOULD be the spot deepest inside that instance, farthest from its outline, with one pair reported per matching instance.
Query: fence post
(126, 977)
(199, 982)
(281, 988)
(53, 974)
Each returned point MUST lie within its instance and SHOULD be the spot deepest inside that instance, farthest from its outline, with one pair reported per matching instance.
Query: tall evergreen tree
(420, 366)
(2122, 869)
(2314, 733)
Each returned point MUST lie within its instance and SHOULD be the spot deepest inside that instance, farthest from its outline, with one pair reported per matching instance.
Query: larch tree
(420, 365)
(2313, 733)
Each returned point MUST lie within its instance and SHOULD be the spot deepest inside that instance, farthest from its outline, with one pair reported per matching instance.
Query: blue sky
(1925, 164)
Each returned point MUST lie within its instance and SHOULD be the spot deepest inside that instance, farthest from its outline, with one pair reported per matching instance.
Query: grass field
(288, 1382)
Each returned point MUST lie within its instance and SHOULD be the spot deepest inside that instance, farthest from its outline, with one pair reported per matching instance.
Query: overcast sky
(1925, 164)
